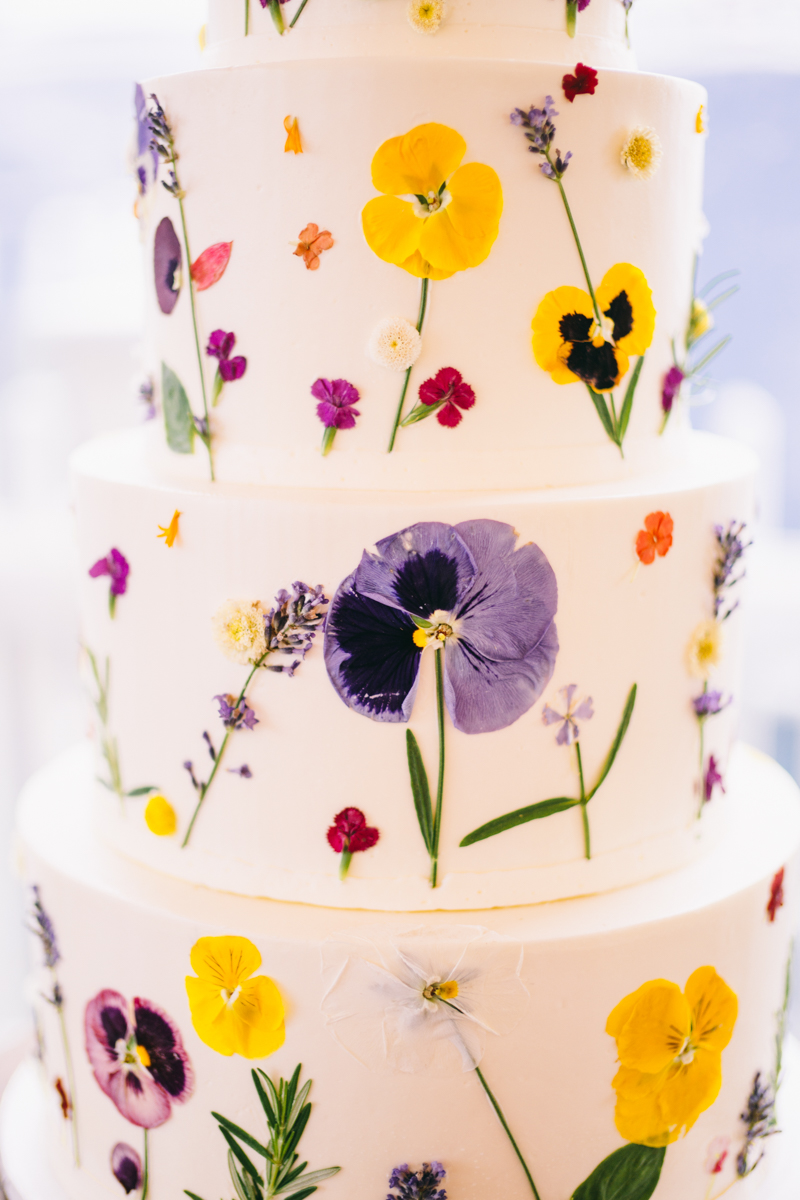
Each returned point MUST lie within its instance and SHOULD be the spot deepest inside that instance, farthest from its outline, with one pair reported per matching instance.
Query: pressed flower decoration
(582, 83)
(641, 152)
(43, 928)
(336, 401)
(776, 897)
(294, 144)
(655, 538)
(126, 1167)
(137, 1056)
(234, 1011)
(145, 163)
(209, 268)
(395, 343)
(447, 395)
(425, 1001)
(229, 369)
(566, 716)
(311, 243)
(116, 568)
(436, 216)
(685, 366)
(160, 817)
(349, 834)
(276, 12)
(170, 532)
(484, 610)
(145, 393)
(425, 15)
(627, 5)
(424, 1183)
(712, 779)
(758, 1117)
(573, 8)
(700, 120)
(589, 337)
(287, 1110)
(717, 1154)
(251, 636)
(108, 743)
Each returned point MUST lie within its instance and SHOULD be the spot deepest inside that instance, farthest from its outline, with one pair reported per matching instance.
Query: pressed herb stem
(246, 17)
(277, 15)
(296, 16)
(145, 1168)
(437, 816)
(423, 304)
(509, 1134)
(579, 246)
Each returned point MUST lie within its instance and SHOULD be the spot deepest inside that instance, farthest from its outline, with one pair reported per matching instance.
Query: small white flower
(239, 630)
(425, 15)
(395, 343)
(705, 649)
(642, 152)
(421, 1000)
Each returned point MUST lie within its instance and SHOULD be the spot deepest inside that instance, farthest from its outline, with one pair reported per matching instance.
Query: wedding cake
(413, 855)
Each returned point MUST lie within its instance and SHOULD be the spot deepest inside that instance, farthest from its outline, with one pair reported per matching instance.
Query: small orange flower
(293, 142)
(310, 245)
(655, 538)
(170, 532)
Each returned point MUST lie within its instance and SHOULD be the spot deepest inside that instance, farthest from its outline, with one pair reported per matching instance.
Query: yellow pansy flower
(435, 217)
(670, 1047)
(570, 344)
(233, 1010)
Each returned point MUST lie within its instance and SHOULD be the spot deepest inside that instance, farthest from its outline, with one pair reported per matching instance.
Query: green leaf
(239, 1153)
(245, 1186)
(420, 790)
(177, 413)
(627, 403)
(272, 1119)
(722, 297)
(193, 1195)
(219, 384)
(313, 1177)
(299, 1101)
(716, 280)
(520, 816)
(419, 413)
(142, 791)
(572, 13)
(631, 1173)
(623, 729)
(302, 1194)
(712, 354)
(242, 1134)
(602, 412)
(291, 1089)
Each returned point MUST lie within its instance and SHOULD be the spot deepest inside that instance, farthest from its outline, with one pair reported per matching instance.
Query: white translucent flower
(395, 343)
(705, 649)
(425, 15)
(642, 152)
(422, 1000)
(239, 630)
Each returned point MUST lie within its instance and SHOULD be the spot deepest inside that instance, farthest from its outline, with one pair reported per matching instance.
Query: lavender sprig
(731, 549)
(422, 1184)
(759, 1122)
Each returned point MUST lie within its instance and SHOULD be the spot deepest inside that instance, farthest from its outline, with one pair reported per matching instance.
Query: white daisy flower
(642, 152)
(239, 630)
(395, 343)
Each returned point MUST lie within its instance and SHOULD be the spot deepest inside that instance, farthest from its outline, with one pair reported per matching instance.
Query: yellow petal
(257, 1019)
(625, 278)
(642, 1121)
(618, 1017)
(391, 228)
(477, 203)
(415, 264)
(548, 343)
(715, 1008)
(210, 1014)
(656, 1029)
(691, 1090)
(418, 162)
(160, 816)
(225, 961)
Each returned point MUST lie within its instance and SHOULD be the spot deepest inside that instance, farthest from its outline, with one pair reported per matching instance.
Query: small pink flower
(712, 779)
(450, 394)
(116, 566)
(350, 834)
(776, 900)
(718, 1151)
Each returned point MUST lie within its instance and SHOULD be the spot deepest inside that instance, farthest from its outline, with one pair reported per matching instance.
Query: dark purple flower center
(155, 1035)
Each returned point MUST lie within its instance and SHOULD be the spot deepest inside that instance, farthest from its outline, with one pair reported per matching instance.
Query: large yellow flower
(436, 216)
(569, 344)
(232, 1012)
(670, 1047)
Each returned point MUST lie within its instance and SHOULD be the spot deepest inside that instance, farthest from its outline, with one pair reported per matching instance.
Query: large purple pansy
(494, 603)
(137, 1056)
(167, 259)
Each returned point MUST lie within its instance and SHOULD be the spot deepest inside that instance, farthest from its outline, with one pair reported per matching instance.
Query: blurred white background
(70, 311)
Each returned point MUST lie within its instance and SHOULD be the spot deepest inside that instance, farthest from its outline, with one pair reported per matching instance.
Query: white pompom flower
(239, 630)
(395, 343)
(425, 15)
(641, 153)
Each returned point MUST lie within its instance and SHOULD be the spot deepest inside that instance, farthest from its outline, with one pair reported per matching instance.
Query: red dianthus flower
(582, 83)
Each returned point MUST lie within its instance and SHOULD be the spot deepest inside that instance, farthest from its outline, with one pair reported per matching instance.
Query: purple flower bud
(672, 384)
(708, 704)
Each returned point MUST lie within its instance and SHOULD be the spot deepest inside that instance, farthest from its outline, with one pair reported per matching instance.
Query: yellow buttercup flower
(435, 217)
(233, 1010)
(160, 816)
(705, 649)
(569, 344)
(670, 1047)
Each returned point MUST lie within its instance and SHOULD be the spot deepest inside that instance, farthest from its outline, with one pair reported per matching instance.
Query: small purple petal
(232, 368)
(565, 736)
(167, 259)
(550, 716)
(220, 344)
(126, 1167)
(584, 711)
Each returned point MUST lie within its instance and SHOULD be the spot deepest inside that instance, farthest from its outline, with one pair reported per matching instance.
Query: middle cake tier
(551, 672)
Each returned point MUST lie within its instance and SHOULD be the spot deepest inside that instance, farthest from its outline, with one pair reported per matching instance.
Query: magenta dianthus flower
(117, 567)
(336, 408)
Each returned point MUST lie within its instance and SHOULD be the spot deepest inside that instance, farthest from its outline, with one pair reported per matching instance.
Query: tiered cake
(455, 822)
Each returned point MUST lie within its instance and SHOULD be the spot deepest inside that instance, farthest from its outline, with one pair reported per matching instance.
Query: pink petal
(449, 416)
(211, 264)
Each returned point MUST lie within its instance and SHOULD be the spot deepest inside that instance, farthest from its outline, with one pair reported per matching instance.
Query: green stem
(423, 304)
(70, 1081)
(587, 841)
(246, 17)
(572, 12)
(437, 816)
(509, 1134)
(327, 439)
(580, 248)
(204, 788)
(145, 1169)
(296, 16)
(207, 440)
(277, 15)
(344, 864)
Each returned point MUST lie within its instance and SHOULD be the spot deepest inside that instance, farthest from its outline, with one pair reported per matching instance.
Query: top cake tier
(241, 31)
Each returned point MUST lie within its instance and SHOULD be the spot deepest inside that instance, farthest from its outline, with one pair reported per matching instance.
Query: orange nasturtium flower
(293, 143)
(436, 216)
(670, 1045)
(311, 243)
(234, 1011)
(655, 538)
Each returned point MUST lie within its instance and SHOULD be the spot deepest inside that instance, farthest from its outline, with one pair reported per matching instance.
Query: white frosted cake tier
(295, 325)
(618, 623)
(544, 978)
(517, 29)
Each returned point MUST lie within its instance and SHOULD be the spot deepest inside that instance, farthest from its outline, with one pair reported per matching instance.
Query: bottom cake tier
(627, 1044)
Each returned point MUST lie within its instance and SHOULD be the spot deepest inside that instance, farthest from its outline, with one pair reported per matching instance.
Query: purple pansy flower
(167, 259)
(126, 1167)
(709, 703)
(712, 779)
(489, 605)
(137, 1056)
(672, 385)
(569, 732)
(235, 714)
(336, 408)
(116, 566)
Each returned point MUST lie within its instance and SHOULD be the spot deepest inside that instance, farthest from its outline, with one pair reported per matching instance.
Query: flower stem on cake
(249, 635)
(108, 743)
(348, 835)
(446, 395)
(276, 1170)
(42, 927)
(759, 1118)
(336, 401)
(466, 595)
(436, 215)
(627, 5)
(568, 735)
(573, 8)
